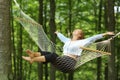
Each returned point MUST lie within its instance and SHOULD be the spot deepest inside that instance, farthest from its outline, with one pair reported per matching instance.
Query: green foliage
(83, 17)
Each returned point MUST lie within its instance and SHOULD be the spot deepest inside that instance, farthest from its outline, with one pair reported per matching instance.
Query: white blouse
(73, 47)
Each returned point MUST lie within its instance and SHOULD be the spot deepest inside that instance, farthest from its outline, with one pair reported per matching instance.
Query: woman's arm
(62, 37)
(99, 36)
(108, 33)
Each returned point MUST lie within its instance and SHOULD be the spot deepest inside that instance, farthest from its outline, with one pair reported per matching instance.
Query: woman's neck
(75, 38)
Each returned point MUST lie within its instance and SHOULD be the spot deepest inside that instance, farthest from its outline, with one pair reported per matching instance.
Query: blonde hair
(81, 34)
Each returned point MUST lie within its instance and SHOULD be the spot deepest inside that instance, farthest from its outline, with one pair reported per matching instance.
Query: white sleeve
(94, 38)
(62, 37)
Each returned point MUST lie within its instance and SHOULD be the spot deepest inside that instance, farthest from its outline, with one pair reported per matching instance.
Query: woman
(71, 50)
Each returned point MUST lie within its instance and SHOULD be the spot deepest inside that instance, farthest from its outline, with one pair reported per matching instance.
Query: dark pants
(65, 64)
(50, 57)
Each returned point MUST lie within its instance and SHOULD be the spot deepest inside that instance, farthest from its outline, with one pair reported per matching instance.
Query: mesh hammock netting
(37, 33)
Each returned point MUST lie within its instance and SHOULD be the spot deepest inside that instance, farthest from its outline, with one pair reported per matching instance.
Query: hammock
(37, 33)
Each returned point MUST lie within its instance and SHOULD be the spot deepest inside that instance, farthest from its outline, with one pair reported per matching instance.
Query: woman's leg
(38, 59)
(34, 59)
(36, 54)
(33, 54)
(42, 56)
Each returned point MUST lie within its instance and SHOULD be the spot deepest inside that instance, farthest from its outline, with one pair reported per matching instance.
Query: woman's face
(78, 33)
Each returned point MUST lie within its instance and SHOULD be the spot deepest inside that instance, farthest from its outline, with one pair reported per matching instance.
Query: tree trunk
(69, 16)
(70, 76)
(20, 52)
(13, 46)
(99, 60)
(117, 45)
(105, 15)
(5, 40)
(106, 27)
(111, 27)
(40, 71)
(52, 30)
(95, 14)
(118, 64)
(40, 65)
(99, 64)
(45, 29)
(100, 16)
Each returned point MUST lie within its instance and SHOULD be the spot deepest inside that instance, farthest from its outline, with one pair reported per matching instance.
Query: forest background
(92, 16)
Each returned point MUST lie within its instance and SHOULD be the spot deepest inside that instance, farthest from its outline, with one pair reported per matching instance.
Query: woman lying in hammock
(71, 51)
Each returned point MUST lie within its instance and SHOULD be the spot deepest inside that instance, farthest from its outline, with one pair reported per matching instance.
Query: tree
(52, 30)
(110, 23)
(5, 40)
(99, 60)
(70, 76)
(40, 65)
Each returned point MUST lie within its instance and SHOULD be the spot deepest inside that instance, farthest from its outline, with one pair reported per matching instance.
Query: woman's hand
(108, 33)
(56, 32)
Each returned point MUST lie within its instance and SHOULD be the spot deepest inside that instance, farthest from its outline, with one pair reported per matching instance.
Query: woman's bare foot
(27, 59)
(30, 53)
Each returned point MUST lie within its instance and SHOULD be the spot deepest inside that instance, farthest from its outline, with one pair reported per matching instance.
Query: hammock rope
(102, 52)
(93, 51)
(37, 33)
(34, 29)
